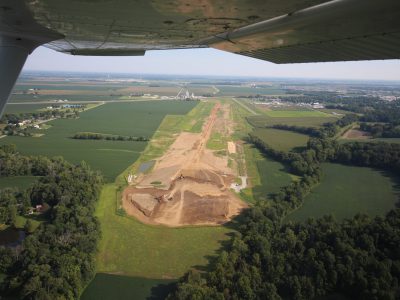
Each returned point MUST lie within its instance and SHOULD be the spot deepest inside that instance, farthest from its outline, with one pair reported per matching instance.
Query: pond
(146, 166)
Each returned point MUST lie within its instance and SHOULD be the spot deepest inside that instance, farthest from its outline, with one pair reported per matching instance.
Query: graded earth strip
(189, 184)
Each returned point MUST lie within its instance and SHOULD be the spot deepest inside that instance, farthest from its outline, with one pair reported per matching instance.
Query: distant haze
(210, 62)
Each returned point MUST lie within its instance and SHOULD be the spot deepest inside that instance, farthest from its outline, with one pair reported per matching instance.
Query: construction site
(189, 184)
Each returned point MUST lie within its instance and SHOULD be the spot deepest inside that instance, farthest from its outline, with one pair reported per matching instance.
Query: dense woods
(377, 130)
(57, 259)
(273, 259)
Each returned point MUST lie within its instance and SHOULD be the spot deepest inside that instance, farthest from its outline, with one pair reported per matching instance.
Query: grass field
(281, 139)
(346, 191)
(315, 121)
(21, 182)
(129, 247)
(295, 113)
(110, 157)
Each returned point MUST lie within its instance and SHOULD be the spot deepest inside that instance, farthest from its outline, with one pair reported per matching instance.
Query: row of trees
(108, 137)
(273, 259)
(57, 259)
(16, 118)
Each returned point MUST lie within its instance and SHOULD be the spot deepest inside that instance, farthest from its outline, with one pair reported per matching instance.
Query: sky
(210, 62)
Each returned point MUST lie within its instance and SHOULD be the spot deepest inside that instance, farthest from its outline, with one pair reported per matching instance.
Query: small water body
(146, 166)
(11, 237)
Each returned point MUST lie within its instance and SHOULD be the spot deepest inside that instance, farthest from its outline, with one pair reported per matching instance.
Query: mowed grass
(281, 139)
(21, 182)
(110, 287)
(109, 157)
(131, 248)
(295, 113)
(348, 190)
(307, 121)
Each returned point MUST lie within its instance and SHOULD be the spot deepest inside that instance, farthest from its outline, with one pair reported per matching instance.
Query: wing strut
(13, 54)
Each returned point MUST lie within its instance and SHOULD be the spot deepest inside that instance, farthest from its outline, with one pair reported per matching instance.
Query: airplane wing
(280, 31)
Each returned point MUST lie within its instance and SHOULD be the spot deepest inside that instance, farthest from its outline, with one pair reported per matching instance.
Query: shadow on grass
(110, 287)
(395, 180)
(225, 245)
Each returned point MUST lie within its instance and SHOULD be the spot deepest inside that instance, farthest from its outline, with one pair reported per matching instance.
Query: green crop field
(110, 157)
(24, 108)
(281, 139)
(21, 182)
(262, 121)
(29, 98)
(272, 177)
(110, 287)
(129, 247)
(346, 191)
(295, 113)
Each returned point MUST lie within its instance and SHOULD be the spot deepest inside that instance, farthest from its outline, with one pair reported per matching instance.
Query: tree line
(108, 137)
(57, 260)
(379, 130)
(272, 259)
(15, 118)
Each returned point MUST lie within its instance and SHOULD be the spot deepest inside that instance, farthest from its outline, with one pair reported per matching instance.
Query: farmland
(272, 176)
(281, 139)
(315, 121)
(200, 150)
(346, 191)
(23, 108)
(110, 157)
(21, 182)
(229, 90)
(295, 114)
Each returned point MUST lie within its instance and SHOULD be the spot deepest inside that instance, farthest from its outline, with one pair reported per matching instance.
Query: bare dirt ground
(356, 134)
(189, 185)
(231, 147)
